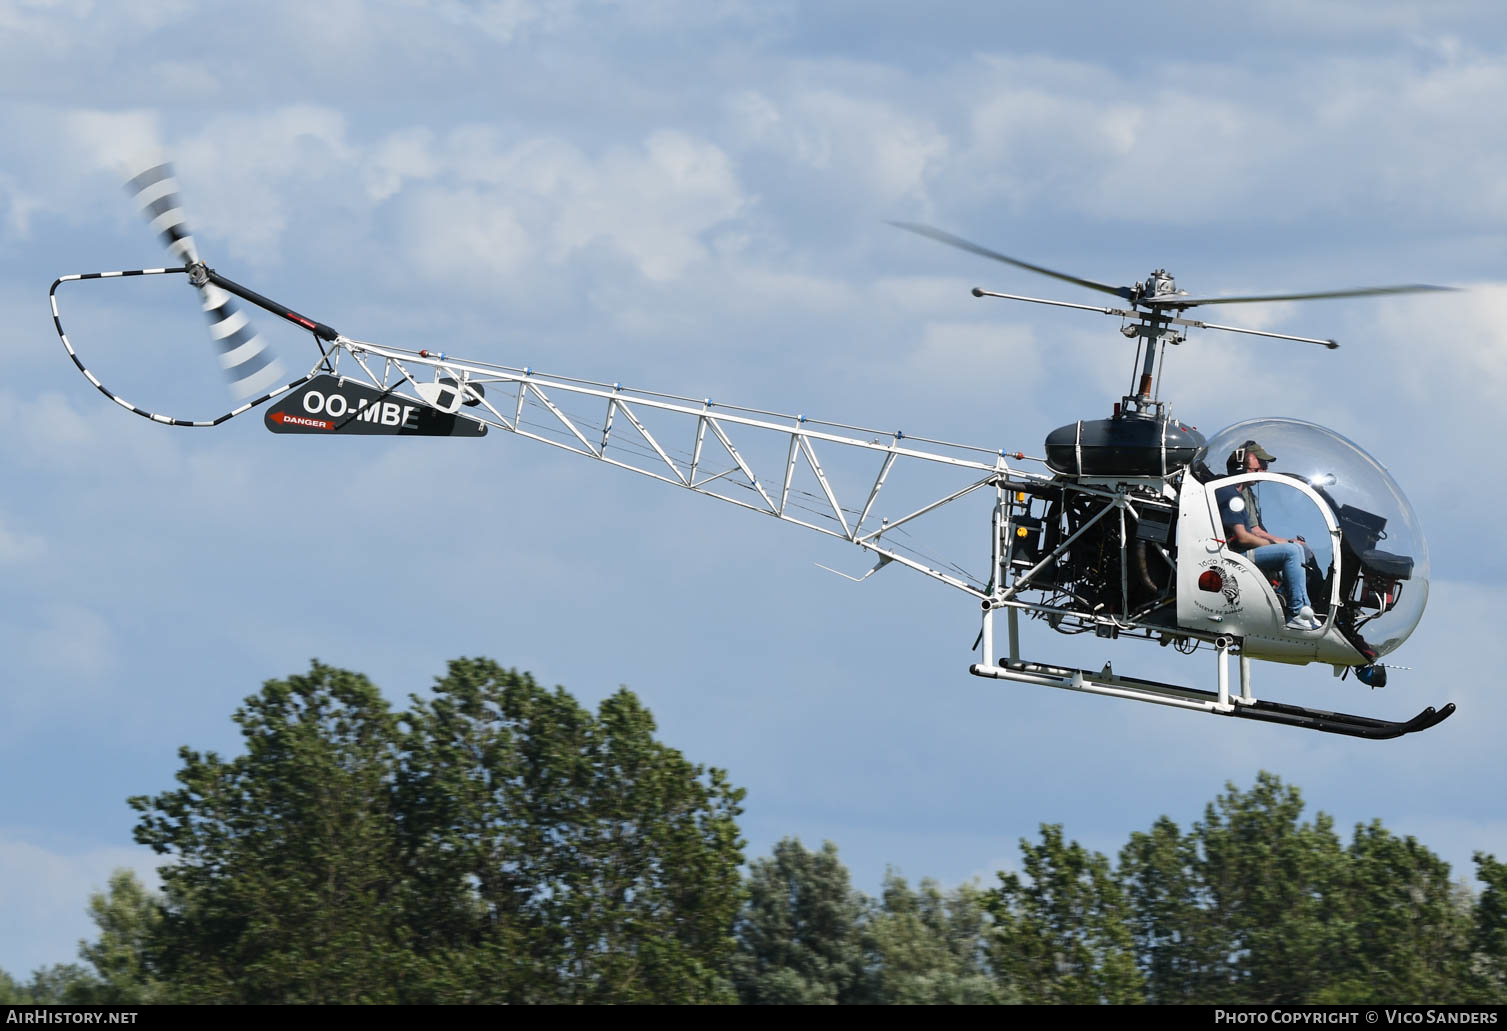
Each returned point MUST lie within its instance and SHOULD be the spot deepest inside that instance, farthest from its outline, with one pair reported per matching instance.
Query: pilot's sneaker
(1304, 620)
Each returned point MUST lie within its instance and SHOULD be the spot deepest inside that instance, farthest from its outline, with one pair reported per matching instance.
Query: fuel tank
(1126, 445)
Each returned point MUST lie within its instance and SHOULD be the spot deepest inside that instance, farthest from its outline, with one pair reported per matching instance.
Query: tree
(286, 880)
(930, 948)
(800, 933)
(1176, 942)
(1062, 931)
(128, 918)
(1409, 935)
(125, 918)
(1489, 934)
(1254, 906)
(565, 857)
(497, 842)
(1276, 893)
(61, 984)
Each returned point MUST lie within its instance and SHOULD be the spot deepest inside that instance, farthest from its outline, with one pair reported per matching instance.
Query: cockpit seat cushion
(1386, 564)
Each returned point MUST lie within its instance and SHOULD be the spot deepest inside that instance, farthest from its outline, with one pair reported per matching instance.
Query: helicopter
(1127, 530)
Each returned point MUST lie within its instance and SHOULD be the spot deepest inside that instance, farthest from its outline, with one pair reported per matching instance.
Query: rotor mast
(1153, 328)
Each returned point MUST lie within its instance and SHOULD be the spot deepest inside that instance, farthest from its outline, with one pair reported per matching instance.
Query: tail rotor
(249, 364)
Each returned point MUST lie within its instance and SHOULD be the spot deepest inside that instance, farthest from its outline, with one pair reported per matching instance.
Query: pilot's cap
(1237, 457)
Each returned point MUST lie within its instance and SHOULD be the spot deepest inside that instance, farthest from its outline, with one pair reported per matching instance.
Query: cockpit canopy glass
(1384, 562)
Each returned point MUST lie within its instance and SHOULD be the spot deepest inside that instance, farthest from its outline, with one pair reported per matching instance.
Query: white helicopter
(1127, 529)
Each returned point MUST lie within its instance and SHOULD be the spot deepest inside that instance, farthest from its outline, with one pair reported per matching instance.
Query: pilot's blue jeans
(1288, 558)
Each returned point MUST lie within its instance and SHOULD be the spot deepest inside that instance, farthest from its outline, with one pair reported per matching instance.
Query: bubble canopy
(1380, 529)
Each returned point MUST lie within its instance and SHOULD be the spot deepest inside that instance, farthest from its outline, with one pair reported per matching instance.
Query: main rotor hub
(1158, 283)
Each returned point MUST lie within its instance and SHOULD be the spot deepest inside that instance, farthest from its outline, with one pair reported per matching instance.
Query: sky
(692, 197)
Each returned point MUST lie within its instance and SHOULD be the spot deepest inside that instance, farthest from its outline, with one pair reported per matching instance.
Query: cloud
(70, 150)
(49, 429)
(1043, 127)
(1313, 137)
(1422, 384)
(505, 20)
(1342, 16)
(120, 142)
(19, 207)
(246, 172)
(72, 640)
(1464, 339)
(44, 894)
(400, 156)
(52, 29)
(857, 142)
(980, 355)
(472, 206)
(653, 203)
(481, 211)
(929, 295)
(16, 547)
(465, 235)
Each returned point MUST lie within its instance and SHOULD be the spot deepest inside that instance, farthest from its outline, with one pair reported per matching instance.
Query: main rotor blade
(973, 248)
(1368, 291)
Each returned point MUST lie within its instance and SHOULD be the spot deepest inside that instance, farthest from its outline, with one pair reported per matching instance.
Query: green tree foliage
(61, 984)
(498, 842)
(930, 948)
(564, 857)
(1170, 920)
(1276, 892)
(125, 918)
(800, 936)
(128, 918)
(1255, 906)
(495, 843)
(287, 883)
(1489, 933)
(1063, 932)
(1408, 934)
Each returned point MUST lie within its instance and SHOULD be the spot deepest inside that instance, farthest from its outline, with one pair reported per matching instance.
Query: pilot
(1240, 511)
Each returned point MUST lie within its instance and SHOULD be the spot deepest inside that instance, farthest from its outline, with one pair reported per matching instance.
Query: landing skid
(1221, 703)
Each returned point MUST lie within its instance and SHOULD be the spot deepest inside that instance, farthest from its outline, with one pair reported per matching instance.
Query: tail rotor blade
(249, 365)
(156, 192)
